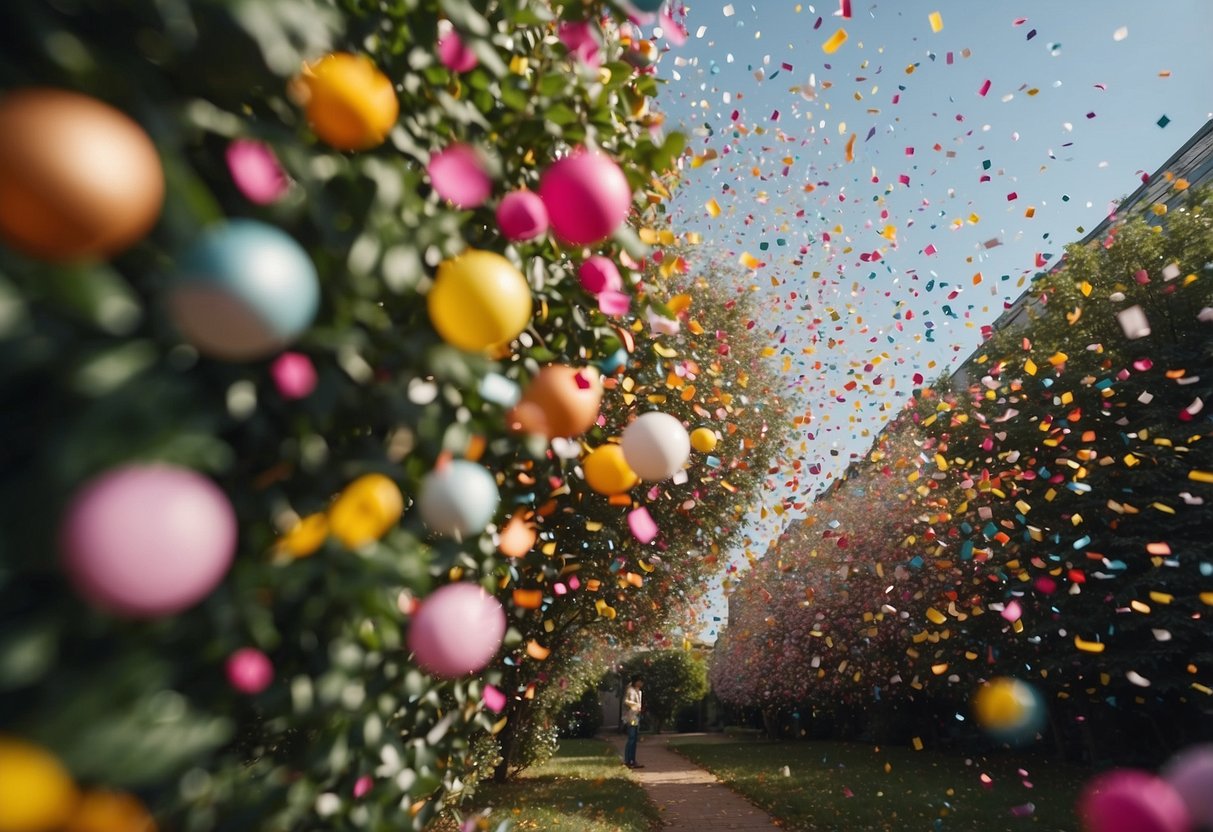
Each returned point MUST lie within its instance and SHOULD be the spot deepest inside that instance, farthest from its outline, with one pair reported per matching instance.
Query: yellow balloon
(607, 472)
(111, 812)
(36, 792)
(1000, 704)
(703, 440)
(365, 510)
(479, 300)
(306, 536)
(351, 105)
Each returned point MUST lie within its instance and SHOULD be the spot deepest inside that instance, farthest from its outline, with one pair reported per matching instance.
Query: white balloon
(656, 446)
(458, 499)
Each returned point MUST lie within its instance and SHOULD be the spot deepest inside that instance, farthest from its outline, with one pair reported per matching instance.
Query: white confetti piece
(1133, 322)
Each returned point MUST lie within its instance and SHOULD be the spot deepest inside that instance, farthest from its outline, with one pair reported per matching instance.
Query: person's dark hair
(636, 677)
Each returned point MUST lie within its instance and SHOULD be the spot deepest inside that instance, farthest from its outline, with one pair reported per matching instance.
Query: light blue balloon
(244, 290)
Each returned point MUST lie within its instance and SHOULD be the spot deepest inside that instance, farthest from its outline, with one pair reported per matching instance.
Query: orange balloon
(78, 179)
(350, 104)
(110, 812)
(560, 401)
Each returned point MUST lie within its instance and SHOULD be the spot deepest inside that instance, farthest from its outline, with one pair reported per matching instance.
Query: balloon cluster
(268, 300)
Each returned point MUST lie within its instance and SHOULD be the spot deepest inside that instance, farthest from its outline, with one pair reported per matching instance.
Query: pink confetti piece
(642, 525)
(493, 699)
(256, 172)
(1012, 611)
(985, 88)
(614, 303)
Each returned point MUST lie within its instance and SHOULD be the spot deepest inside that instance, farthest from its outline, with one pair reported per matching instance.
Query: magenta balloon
(294, 375)
(587, 197)
(148, 540)
(1128, 800)
(1190, 772)
(455, 54)
(249, 670)
(457, 630)
(521, 215)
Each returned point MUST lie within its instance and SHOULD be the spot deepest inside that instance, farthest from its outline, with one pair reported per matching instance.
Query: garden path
(690, 798)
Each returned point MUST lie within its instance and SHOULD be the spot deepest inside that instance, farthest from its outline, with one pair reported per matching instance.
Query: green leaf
(560, 114)
(465, 17)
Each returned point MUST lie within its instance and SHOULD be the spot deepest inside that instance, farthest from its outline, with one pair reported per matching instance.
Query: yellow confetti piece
(1089, 646)
(917, 741)
(1201, 476)
(1206, 598)
(1161, 597)
(935, 616)
(713, 208)
(936, 22)
(1030, 367)
(836, 40)
(750, 261)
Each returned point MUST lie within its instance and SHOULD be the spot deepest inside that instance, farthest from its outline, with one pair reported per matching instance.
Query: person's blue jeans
(629, 750)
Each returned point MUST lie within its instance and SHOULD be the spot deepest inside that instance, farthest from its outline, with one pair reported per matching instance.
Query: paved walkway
(689, 797)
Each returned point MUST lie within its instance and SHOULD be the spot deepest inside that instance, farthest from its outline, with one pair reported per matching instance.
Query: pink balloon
(249, 670)
(455, 54)
(148, 540)
(294, 375)
(1128, 800)
(522, 216)
(600, 274)
(458, 175)
(1190, 772)
(587, 196)
(457, 630)
(256, 172)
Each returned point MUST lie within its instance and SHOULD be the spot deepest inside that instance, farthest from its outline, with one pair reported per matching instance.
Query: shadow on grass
(583, 788)
(835, 786)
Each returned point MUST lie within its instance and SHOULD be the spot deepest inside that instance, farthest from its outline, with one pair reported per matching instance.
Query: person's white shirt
(632, 698)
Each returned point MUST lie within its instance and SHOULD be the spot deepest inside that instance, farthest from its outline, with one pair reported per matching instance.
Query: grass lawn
(584, 788)
(850, 787)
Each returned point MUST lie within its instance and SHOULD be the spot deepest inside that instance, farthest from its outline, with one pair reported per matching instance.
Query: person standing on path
(632, 699)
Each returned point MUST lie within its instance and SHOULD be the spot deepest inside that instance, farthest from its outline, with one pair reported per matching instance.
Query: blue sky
(866, 279)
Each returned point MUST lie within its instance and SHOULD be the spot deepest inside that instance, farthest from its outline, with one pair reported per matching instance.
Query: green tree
(672, 679)
(711, 373)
